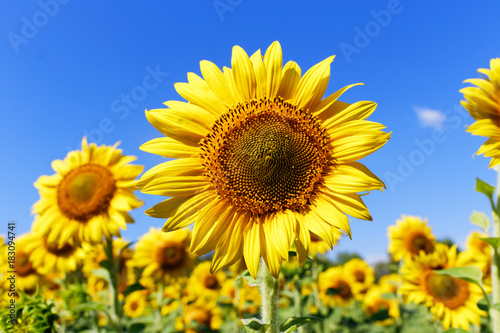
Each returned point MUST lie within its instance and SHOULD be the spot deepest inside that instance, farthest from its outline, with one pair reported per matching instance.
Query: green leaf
(133, 287)
(102, 273)
(496, 306)
(470, 274)
(248, 278)
(456, 330)
(481, 220)
(493, 241)
(294, 322)
(106, 264)
(482, 304)
(485, 188)
(254, 325)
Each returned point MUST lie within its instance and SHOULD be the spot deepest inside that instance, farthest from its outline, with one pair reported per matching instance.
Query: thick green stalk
(269, 289)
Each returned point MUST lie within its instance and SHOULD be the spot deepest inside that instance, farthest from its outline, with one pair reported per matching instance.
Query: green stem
(297, 301)
(113, 287)
(159, 301)
(269, 289)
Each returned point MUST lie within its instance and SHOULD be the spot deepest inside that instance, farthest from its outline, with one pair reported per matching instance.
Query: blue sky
(69, 68)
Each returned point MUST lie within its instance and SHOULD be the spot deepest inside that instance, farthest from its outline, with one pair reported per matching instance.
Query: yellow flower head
(205, 317)
(483, 104)
(135, 303)
(27, 277)
(452, 300)
(261, 159)
(336, 288)
(375, 303)
(203, 286)
(51, 258)
(409, 236)
(89, 196)
(164, 256)
(362, 274)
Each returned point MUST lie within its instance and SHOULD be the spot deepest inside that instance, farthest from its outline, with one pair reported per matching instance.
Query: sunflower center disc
(64, 251)
(265, 156)
(419, 243)
(85, 192)
(171, 255)
(452, 292)
(23, 265)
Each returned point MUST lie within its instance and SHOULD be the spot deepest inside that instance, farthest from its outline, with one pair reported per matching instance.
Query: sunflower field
(266, 169)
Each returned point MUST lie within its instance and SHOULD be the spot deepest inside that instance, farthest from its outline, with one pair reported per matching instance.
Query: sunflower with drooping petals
(336, 288)
(164, 256)
(49, 257)
(452, 300)
(409, 236)
(261, 159)
(483, 104)
(89, 196)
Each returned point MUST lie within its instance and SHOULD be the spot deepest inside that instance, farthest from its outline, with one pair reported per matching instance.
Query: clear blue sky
(74, 67)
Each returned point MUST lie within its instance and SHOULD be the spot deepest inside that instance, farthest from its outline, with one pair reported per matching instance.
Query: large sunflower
(89, 197)
(409, 236)
(261, 159)
(452, 300)
(483, 104)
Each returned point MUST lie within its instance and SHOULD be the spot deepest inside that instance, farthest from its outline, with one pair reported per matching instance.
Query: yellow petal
(177, 186)
(251, 247)
(173, 168)
(326, 208)
(217, 82)
(188, 210)
(168, 147)
(270, 255)
(273, 62)
(313, 84)
(176, 126)
(303, 239)
(290, 80)
(350, 203)
(206, 99)
(352, 177)
(244, 76)
(260, 75)
(167, 208)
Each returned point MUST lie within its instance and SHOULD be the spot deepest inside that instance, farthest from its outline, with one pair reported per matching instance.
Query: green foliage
(295, 322)
(481, 220)
(344, 257)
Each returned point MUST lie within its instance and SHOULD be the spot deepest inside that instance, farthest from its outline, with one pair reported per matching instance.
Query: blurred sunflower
(390, 283)
(200, 318)
(171, 293)
(135, 303)
(478, 253)
(362, 274)
(27, 277)
(336, 288)
(89, 197)
(51, 258)
(202, 286)
(452, 300)
(376, 305)
(409, 236)
(483, 104)
(164, 256)
(261, 159)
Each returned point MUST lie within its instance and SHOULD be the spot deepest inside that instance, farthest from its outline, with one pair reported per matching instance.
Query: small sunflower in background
(27, 277)
(483, 104)
(362, 274)
(336, 288)
(164, 256)
(89, 196)
(261, 159)
(376, 305)
(202, 286)
(135, 303)
(199, 318)
(452, 300)
(409, 236)
(51, 257)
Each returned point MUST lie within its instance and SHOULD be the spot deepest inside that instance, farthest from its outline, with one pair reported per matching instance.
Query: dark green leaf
(293, 322)
(481, 220)
(483, 304)
(133, 287)
(470, 274)
(106, 264)
(485, 188)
